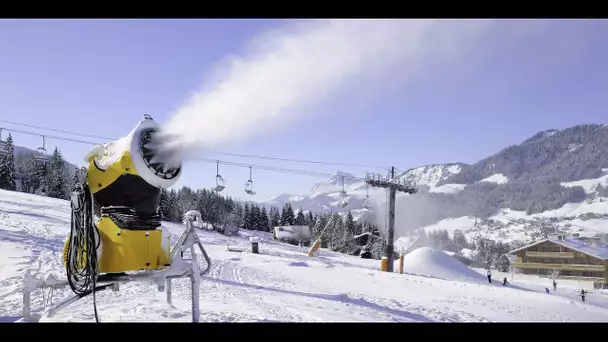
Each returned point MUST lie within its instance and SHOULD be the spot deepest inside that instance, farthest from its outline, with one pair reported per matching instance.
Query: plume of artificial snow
(287, 70)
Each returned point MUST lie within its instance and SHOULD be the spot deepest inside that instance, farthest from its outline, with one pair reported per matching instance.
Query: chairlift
(220, 183)
(366, 204)
(249, 184)
(42, 150)
(343, 196)
(3, 152)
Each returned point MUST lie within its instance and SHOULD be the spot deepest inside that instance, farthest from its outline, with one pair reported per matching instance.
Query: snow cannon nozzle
(144, 149)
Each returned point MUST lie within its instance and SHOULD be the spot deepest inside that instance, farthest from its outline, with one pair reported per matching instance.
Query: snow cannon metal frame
(121, 190)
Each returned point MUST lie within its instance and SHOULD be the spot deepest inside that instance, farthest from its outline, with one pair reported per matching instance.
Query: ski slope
(279, 284)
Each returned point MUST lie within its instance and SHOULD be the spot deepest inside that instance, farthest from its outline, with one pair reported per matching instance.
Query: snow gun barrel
(138, 155)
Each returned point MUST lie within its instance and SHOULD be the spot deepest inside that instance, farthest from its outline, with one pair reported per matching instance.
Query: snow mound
(435, 263)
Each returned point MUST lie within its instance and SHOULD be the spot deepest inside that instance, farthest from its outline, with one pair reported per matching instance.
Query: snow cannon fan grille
(158, 167)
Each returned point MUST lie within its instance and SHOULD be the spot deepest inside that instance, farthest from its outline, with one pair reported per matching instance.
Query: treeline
(219, 210)
(344, 235)
(225, 215)
(35, 173)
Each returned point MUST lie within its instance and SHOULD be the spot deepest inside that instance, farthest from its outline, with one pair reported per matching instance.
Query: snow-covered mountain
(430, 175)
(326, 196)
(556, 176)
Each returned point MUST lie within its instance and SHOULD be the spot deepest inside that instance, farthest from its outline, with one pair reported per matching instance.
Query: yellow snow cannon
(116, 209)
(116, 235)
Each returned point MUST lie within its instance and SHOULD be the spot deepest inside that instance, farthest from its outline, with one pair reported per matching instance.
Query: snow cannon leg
(384, 264)
(30, 284)
(195, 279)
(314, 248)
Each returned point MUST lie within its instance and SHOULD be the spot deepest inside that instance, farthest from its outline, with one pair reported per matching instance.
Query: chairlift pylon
(2, 145)
(249, 184)
(343, 196)
(220, 183)
(42, 150)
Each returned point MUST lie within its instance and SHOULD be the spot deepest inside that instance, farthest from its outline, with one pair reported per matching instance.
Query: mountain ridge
(536, 175)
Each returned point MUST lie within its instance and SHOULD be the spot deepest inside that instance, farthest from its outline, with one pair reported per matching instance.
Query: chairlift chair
(343, 196)
(42, 150)
(249, 184)
(2, 145)
(220, 183)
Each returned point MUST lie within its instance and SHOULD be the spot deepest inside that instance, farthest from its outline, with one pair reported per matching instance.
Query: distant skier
(489, 276)
(583, 294)
(504, 281)
(547, 290)
(554, 285)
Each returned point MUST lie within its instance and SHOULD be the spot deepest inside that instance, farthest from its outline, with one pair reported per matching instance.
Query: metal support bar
(196, 286)
(169, 299)
(26, 305)
(178, 269)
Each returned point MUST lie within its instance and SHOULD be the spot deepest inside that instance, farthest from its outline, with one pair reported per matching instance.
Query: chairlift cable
(220, 153)
(259, 167)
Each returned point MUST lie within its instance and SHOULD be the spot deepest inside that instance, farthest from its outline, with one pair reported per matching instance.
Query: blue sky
(99, 77)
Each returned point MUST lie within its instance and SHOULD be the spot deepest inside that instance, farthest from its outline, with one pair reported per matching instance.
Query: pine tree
(283, 221)
(290, 217)
(165, 209)
(7, 166)
(300, 218)
(310, 219)
(247, 217)
(349, 245)
(349, 224)
(239, 213)
(318, 227)
(40, 174)
(275, 218)
(335, 232)
(57, 177)
(255, 217)
(264, 220)
(359, 228)
(26, 170)
(173, 206)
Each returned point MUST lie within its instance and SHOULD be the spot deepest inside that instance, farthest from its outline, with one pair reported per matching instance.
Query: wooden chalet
(573, 258)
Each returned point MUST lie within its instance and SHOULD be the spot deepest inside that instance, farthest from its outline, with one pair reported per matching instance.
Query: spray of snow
(289, 70)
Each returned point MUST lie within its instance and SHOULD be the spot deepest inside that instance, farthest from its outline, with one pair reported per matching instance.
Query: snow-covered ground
(279, 284)
(588, 185)
(497, 178)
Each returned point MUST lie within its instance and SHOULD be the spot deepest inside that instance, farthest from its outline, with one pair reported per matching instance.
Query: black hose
(82, 238)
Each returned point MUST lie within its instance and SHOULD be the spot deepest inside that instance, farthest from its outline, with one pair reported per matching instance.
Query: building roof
(366, 233)
(600, 251)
